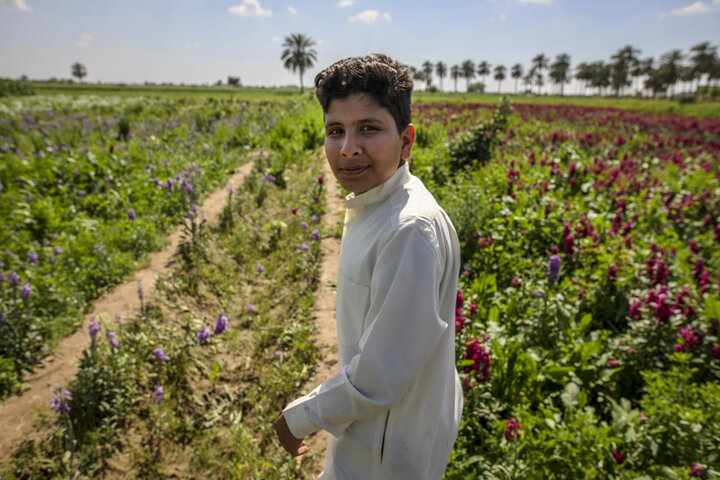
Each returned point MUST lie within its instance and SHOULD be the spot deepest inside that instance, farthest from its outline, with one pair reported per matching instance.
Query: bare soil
(324, 309)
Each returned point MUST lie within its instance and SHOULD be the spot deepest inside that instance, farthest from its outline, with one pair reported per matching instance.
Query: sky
(203, 41)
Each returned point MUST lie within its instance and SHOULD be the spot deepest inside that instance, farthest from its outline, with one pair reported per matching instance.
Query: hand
(294, 446)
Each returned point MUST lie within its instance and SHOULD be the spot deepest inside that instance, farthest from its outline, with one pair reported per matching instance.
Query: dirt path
(326, 333)
(18, 413)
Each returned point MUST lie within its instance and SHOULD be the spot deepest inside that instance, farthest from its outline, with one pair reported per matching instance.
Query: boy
(393, 409)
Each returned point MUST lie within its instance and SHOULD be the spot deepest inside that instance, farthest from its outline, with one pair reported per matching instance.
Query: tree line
(624, 69)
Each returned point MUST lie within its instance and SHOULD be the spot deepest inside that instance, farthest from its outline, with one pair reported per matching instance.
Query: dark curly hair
(386, 81)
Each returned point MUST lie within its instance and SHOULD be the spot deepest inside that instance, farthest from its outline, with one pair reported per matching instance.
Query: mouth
(353, 171)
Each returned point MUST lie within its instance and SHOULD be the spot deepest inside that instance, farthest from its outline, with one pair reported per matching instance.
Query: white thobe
(393, 409)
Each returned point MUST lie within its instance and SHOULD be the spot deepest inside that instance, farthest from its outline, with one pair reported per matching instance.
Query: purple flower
(619, 457)
(305, 246)
(203, 335)
(220, 324)
(159, 394)
(315, 235)
(131, 215)
(13, 279)
(314, 219)
(554, 266)
(696, 470)
(270, 178)
(26, 291)
(304, 225)
(59, 401)
(260, 269)
(111, 338)
(32, 257)
(250, 308)
(93, 328)
(159, 354)
(613, 363)
(140, 289)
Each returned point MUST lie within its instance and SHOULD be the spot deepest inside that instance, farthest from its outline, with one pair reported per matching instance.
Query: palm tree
(455, 73)
(468, 71)
(559, 70)
(427, 69)
(539, 63)
(441, 71)
(624, 61)
(516, 73)
(703, 59)
(78, 70)
(499, 74)
(483, 69)
(298, 54)
(583, 74)
(600, 74)
(670, 68)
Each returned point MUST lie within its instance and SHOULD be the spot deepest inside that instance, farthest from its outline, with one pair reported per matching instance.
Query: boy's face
(362, 144)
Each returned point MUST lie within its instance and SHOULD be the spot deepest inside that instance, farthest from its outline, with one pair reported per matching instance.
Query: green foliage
(476, 145)
(15, 88)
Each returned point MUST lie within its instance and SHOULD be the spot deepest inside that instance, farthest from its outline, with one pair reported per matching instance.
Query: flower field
(89, 185)
(587, 316)
(587, 310)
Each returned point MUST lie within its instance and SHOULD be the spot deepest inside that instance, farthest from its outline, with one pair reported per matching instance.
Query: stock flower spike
(159, 354)
(158, 394)
(111, 338)
(26, 291)
(554, 266)
(93, 328)
(203, 335)
(220, 324)
(59, 401)
(131, 215)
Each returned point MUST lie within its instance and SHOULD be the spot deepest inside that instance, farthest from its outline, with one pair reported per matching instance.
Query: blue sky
(202, 41)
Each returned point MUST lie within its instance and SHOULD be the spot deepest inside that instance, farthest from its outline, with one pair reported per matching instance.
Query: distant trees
(78, 71)
(233, 81)
(298, 54)
(625, 72)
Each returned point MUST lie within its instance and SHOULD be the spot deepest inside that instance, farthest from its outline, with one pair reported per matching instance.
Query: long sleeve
(403, 329)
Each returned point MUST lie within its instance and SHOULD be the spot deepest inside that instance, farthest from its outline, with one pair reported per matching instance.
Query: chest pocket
(353, 301)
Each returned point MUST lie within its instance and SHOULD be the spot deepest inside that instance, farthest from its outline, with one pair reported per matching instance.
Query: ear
(408, 140)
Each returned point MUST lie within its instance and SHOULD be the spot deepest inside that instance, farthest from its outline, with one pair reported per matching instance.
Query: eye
(368, 128)
(334, 131)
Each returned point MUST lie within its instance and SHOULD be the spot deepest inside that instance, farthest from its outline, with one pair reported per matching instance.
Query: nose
(350, 146)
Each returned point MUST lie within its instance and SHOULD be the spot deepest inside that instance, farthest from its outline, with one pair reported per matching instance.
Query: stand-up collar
(382, 191)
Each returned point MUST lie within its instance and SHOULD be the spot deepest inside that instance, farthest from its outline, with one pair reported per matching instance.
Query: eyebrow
(362, 120)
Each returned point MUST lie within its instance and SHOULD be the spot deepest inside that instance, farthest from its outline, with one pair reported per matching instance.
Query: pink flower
(512, 430)
(619, 457)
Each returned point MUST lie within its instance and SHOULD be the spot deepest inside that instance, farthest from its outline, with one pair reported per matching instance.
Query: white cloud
(292, 10)
(503, 16)
(19, 5)
(250, 8)
(546, 2)
(345, 3)
(276, 38)
(370, 16)
(698, 8)
(197, 44)
(85, 40)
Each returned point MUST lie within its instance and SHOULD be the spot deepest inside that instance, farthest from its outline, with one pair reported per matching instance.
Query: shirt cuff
(297, 419)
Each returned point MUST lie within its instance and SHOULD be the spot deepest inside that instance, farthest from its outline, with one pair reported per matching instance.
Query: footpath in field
(324, 311)
(18, 413)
